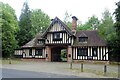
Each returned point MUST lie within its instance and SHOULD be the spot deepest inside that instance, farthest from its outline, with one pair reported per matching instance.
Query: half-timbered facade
(58, 39)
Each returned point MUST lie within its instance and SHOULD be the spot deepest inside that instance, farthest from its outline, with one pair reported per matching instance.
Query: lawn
(97, 72)
(10, 61)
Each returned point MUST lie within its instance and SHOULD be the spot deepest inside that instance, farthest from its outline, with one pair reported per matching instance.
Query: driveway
(62, 68)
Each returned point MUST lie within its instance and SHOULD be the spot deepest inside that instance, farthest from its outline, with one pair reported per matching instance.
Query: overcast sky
(82, 9)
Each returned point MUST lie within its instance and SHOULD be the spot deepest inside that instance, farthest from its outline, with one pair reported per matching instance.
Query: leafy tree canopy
(91, 24)
(115, 42)
(106, 28)
(25, 33)
(39, 20)
(9, 27)
(31, 22)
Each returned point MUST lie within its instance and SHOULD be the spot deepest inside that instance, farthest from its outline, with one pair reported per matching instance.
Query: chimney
(74, 24)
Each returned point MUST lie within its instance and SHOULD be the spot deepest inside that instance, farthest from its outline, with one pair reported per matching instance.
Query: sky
(82, 9)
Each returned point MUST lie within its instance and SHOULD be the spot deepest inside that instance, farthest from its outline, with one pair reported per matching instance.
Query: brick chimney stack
(74, 24)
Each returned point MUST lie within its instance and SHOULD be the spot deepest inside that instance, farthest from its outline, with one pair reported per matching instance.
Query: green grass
(101, 73)
(114, 63)
(108, 74)
(12, 61)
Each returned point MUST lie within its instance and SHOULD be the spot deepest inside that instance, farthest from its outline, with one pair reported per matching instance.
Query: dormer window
(57, 36)
(83, 39)
(40, 41)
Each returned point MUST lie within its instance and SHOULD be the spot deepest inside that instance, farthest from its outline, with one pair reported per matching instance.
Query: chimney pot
(74, 17)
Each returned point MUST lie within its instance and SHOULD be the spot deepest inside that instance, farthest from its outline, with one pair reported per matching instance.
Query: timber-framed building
(58, 39)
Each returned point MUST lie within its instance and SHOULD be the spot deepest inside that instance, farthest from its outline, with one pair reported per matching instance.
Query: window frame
(37, 53)
(83, 39)
(30, 52)
(82, 51)
(94, 50)
(55, 36)
(40, 41)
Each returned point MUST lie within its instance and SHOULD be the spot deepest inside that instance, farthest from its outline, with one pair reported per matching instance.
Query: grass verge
(10, 61)
(101, 73)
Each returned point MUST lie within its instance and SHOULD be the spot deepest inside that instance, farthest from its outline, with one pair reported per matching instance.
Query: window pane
(57, 36)
(83, 39)
(40, 41)
(38, 52)
(30, 52)
(94, 51)
(82, 52)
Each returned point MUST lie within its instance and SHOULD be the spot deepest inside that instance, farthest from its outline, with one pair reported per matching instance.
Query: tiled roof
(94, 38)
(33, 42)
(29, 44)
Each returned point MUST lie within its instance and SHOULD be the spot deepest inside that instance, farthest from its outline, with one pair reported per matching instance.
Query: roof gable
(56, 22)
(82, 35)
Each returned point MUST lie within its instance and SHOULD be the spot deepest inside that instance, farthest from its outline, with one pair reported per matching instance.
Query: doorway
(59, 54)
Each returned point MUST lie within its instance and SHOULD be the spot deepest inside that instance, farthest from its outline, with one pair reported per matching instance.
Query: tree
(25, 33)
(115, 42)
(106, 29)
(91, 24)
(39, 20)
(117, 16)
(9, 27)
(67, 19)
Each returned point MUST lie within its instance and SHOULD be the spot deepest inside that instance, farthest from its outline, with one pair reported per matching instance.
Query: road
(12, 73)
(63, 68)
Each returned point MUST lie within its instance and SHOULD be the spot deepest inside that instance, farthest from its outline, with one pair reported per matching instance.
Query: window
(83, 39)
(30, 52)
(38, 52)
(94, 51)
(82, 52)
(40, 41)
(57, 36)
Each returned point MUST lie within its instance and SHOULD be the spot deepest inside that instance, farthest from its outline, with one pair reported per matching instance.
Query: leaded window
(57, 36)
(82, 52)
(94, 51)
(40, 41)
(83, 39)
(38, 52)
(30, 52)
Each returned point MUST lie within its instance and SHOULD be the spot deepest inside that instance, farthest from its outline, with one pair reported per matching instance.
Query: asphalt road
(60, 70)
(12, 73)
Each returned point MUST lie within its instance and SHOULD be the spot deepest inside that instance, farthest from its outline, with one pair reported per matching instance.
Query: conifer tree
(25, 33)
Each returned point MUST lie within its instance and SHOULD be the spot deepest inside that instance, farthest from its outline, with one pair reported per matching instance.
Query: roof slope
(68, 30)
(94, 38)
(33, 42)
(29, 44)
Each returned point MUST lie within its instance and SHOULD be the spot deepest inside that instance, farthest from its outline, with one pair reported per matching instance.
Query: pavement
(59, 68)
